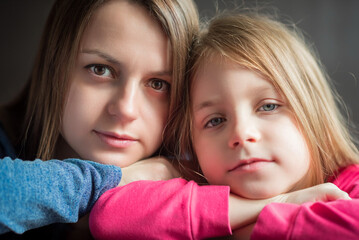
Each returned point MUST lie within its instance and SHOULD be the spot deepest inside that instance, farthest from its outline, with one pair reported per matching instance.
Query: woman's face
(118, 100)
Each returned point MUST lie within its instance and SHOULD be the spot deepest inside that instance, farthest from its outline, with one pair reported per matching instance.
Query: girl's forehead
(219, 64)
(221, 68)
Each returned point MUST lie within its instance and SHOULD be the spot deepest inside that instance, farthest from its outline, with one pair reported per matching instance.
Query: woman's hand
(243, 233)
(156, 168)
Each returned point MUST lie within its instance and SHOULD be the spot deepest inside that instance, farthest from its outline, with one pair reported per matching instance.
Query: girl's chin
(257, 195)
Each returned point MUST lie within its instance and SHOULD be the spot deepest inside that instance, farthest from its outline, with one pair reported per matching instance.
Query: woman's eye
(101, 70)
(214, 122)
(268, 107)
(159, 85)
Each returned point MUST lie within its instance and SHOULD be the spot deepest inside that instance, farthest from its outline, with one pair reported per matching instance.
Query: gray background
(332, 25)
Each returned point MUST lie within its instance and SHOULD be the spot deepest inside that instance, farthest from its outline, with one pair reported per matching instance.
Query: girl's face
(118, 100)
(244, 133)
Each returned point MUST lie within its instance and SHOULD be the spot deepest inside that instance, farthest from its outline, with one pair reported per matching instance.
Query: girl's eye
(214, 122)
(268, 107)
(100, 70)
(159, 85)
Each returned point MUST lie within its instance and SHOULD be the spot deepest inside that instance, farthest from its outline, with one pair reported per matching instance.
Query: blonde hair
(279, 53)
(44, 96)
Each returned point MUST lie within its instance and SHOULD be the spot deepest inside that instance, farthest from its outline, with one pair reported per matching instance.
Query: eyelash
(164, 83)
(216, 124)
(222, 119)
(274, 105)
(110, 70)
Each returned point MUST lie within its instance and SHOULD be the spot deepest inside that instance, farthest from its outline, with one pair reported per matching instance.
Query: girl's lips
(116, 140)
(251, 164)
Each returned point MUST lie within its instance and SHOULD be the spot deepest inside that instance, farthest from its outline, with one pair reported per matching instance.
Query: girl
(103, 70)
(260, 117)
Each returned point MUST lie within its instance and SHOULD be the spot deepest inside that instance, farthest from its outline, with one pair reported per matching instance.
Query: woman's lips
(116, 140)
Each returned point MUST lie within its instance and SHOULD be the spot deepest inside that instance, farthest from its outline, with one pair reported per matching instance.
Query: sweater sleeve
(173, 209)
(38, 193)
(319, 220)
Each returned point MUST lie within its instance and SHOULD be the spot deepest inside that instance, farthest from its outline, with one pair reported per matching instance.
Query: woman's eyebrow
(113, 60)
(162, 73)
(103, 55)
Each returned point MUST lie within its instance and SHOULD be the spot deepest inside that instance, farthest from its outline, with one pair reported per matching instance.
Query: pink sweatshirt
(319, 220)
(177, 209)
(173, 209)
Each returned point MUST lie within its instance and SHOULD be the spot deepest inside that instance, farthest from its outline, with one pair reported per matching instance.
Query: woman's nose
(123, 104)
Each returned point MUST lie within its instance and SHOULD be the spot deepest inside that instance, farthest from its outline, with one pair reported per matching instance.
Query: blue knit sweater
(38, 193)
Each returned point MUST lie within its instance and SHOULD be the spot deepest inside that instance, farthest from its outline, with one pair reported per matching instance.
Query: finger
(338, 195)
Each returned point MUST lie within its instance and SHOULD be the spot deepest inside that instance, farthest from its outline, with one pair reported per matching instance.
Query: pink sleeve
(320, 220)
(174, 209)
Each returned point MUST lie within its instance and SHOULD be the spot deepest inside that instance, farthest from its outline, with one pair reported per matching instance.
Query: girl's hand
(243, 212)
(323, 192)
(156, 168)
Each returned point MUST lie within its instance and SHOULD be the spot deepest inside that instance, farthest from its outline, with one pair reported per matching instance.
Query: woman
(101, 89)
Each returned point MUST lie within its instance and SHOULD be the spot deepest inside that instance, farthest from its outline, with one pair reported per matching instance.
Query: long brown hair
(41, 103)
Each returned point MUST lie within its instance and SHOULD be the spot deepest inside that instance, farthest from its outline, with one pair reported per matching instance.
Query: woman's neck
(63, 150)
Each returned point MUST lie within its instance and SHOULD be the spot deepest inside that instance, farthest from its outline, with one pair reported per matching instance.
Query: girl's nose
(123, 104)
(245, 131)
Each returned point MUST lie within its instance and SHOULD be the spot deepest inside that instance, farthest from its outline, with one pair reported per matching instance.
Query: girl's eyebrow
(259, 90)
(205, 104)
(265, 90)
(110, 59)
